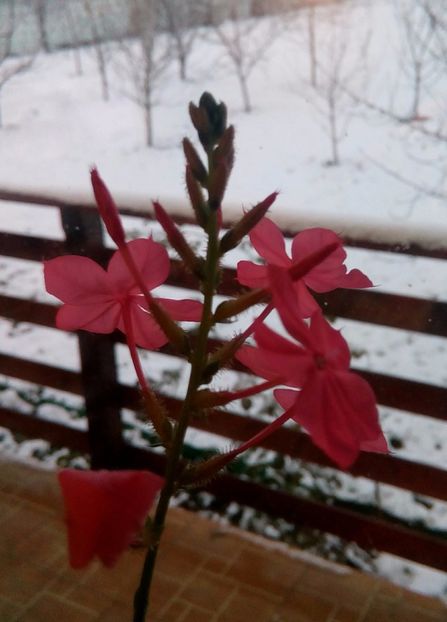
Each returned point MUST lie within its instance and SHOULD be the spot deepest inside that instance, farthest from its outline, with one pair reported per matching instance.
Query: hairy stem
(198, 359)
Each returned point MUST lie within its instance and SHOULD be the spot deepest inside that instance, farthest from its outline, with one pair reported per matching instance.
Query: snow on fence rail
(104, 396)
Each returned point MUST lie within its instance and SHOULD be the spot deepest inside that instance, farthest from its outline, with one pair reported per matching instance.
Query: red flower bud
(107, 209)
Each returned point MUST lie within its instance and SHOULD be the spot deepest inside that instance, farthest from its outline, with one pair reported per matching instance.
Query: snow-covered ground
(56, 125)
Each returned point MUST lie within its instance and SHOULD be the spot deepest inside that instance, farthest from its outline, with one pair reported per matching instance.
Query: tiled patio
(206, 573)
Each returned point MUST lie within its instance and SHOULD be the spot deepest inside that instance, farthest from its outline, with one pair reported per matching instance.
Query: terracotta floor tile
(174, 613)
(123, 578)
(247, 605)
(49, 608)
(382, 609)
(178, 560)
(8, 610)
(207, 591)
(351, 589)
(304, 607)
(205, 574)
(196, 615)
(430, 604)
(408, 613)
(99, 602)
(21, 582)
(215, 539)
(390, 590)
(266, 570)
(116, 613)
(164, 590)
(216, 565)
(346, 614)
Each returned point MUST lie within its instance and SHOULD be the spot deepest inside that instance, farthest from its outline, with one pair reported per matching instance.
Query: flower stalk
(312, 362)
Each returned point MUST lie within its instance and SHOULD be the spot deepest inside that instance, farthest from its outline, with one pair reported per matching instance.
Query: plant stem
(198, 360)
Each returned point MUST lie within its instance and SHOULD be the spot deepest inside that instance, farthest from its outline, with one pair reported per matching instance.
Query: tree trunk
(41, 15)
(416, 92)
(244, 90)
(102, 72)
(312, 47)
(333, 133)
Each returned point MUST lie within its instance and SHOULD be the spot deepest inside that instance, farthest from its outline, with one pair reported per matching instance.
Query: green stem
(198, 360)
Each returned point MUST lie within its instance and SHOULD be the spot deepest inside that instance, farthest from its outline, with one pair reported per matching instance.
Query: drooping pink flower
(329, 274)
(101, 301)
(336, 406)
(104, 510)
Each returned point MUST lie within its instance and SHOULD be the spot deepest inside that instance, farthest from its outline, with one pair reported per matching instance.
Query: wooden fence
(104, 396)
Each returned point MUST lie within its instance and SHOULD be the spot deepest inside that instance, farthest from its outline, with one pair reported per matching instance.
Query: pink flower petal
(268, 240)
(98, 318)
(151, 260)
(286, 303)
(77, 280)
(104, 510)
(355, 279)
(251, 274)
(146, 331)
(257, 361)
(331, 343)
(307, 304)
(285, 397)
(331, 273)
(340, 414)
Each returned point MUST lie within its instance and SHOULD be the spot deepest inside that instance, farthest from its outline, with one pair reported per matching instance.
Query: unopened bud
(176, 238)
(196, 198)
(248, 221)
(217, 113)
(224, 151)
(210, 120)
(199, 118)
(217, 185)
(195, 163)
(107, 209)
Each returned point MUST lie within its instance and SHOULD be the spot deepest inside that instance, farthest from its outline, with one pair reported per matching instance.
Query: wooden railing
(104, 396)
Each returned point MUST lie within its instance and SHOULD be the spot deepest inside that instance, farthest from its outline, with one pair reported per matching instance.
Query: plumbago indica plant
(105, 509)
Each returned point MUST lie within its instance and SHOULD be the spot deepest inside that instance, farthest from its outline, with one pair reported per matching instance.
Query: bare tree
(418, 31)
(41, 12)
(311, 35)
(341, 64)
(98, 47)
(245, 42)
(145, 61)
(181, 20)
(10, 66)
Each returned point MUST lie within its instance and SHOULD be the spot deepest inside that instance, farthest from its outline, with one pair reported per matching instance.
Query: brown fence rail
(104, 396)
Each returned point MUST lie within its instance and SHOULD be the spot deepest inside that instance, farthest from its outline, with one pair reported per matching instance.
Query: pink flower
(329, 274)
(335, 406)
(104, 510)
(101, 301)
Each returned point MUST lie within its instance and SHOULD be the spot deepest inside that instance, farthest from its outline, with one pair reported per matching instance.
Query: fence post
(83, 231)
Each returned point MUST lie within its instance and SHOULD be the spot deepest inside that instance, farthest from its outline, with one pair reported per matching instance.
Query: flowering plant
(105, 509)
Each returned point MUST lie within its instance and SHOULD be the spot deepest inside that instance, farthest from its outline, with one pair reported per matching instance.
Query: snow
(56, 126)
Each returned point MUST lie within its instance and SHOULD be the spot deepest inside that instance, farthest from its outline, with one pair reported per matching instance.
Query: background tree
(10, 66)
(341, 68)
(41, 11)
(144, 60)
(181, 20)
(418, 28)
(97, 42)
(245, 42)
